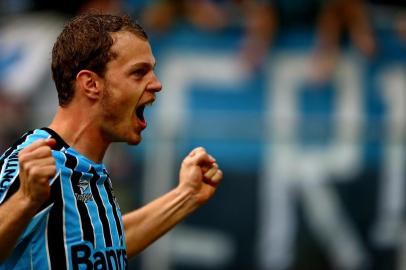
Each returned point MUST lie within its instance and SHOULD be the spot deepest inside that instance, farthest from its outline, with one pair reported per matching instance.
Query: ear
(89, 83)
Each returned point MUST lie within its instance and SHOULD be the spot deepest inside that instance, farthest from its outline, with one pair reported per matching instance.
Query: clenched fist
(200, 173)
(37, 166)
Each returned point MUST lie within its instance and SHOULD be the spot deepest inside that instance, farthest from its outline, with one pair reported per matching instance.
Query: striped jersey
(80, 226)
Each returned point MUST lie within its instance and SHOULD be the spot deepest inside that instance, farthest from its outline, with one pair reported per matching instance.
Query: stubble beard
(111, 120)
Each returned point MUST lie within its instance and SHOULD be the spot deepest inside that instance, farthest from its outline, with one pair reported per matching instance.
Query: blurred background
(302, 102)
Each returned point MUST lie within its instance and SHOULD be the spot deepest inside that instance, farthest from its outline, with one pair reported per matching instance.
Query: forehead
(130, 49)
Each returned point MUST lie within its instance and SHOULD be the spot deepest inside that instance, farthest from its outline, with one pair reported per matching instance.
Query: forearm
(199, 177)
(15, 214)
(145, 225)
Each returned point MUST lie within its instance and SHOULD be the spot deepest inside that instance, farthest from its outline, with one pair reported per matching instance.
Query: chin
(134, 140)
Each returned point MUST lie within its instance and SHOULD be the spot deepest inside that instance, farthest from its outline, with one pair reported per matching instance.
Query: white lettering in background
(290, 173)
(178, 72)
(293, 174)
(390, 223)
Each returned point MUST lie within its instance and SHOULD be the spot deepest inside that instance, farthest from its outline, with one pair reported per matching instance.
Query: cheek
(122, 96)
(116, 99)
(113, 109)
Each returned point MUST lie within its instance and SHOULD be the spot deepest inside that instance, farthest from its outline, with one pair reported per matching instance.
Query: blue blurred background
(302, 102)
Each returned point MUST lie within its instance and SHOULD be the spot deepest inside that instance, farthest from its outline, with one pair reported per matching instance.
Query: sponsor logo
(85, 194)
(9, 172)
(84, 257)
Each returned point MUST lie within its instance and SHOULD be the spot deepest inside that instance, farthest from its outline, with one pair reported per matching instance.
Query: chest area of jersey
(90, 210)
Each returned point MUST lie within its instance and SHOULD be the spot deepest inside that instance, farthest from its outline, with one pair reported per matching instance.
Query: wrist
(188, 195)
(26, 203)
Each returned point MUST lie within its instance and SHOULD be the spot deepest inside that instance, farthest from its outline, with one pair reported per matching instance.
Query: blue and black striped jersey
(80, 226)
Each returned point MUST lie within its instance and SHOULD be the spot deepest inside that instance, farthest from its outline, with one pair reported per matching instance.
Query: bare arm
(37, 166)
(198, 180)
(15, 214)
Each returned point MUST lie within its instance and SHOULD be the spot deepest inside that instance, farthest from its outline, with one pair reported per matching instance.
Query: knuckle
(34, 171)
(53, 170)
(186, 162)
(200, 154)
(220, 174)
(47, 151)
(22, 157)
(40, 142)
(28, 167)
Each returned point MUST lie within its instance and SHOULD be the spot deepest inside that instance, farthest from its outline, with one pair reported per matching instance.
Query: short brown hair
(85, 43)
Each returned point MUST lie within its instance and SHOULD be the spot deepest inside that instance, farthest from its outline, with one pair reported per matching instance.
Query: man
(57, 208)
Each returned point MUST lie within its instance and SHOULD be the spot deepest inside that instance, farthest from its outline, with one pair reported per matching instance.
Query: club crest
(83, 196)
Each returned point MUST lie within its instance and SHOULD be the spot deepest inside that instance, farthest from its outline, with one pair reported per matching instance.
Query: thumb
(50, 142)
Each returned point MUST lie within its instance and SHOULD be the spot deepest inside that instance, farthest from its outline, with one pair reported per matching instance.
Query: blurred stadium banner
(314, 172)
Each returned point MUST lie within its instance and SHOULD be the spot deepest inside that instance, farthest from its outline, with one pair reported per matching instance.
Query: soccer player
(57, 206)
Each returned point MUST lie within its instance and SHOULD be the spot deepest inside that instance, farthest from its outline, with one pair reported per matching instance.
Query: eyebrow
(143, 65)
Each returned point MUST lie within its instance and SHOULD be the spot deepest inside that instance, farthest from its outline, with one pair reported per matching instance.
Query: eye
(140, 72)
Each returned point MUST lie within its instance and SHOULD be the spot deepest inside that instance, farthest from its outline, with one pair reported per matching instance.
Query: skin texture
(129, 82)
(102, 111)
(110, 101)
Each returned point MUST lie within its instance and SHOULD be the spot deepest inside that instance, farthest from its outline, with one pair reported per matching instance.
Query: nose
(155, 85)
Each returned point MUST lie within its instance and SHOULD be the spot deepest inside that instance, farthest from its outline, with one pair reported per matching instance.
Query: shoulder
(11, 154)
(9, 166)
(26, 139)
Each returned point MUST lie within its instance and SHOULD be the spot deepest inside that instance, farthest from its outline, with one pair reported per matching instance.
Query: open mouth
(140, 113)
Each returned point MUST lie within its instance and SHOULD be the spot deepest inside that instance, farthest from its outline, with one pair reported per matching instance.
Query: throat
(83, 139)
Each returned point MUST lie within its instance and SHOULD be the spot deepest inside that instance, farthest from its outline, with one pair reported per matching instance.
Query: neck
(79, 131)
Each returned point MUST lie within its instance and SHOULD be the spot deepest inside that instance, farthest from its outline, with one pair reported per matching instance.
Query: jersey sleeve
(10, 181)
(9, 171)
(9, 166)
